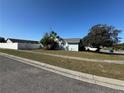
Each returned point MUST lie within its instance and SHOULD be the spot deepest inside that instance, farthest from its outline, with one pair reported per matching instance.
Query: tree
(101, 35)
(52, 41)
(2, 40)
(44, 40)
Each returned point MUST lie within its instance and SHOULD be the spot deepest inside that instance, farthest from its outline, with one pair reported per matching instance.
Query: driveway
(17, 77)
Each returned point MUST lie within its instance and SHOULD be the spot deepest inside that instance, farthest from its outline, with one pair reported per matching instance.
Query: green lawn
(96, 68)
(89, 55)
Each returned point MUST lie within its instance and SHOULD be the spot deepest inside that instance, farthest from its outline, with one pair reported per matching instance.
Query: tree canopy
(101, 35)
(52, 41)
(2, 40)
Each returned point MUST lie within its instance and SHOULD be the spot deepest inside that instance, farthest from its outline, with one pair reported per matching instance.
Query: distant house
(72, 44)
(20, 44)
(11, 40)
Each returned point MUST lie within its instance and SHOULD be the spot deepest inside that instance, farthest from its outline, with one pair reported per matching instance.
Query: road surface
(17, 77)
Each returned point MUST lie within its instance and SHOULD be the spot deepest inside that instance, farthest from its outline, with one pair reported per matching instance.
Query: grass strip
(100, 69)
(89, 55)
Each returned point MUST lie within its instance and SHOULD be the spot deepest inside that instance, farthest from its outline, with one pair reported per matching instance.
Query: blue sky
(30, 19)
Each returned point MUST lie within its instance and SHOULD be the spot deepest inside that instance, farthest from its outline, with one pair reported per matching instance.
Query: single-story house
(73, 44)
(11, 40)
(20, 44)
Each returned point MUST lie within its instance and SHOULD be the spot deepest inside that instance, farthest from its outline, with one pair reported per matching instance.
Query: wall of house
(28, 46)
(9, 45)
(9, 41)
(73, 47)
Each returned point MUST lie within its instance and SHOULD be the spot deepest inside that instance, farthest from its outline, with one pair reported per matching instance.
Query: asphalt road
(17, 77)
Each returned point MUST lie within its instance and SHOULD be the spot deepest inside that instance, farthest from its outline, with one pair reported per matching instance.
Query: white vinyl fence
(17, 46)
(28, 46)
(9, 45)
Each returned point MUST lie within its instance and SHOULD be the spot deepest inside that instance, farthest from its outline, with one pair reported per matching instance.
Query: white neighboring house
(20, 44)
(72, 44)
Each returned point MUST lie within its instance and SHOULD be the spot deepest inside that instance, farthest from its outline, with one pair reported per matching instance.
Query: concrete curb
(106, 82)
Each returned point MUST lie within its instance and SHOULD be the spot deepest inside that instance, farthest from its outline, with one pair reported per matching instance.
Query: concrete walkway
(79, 58)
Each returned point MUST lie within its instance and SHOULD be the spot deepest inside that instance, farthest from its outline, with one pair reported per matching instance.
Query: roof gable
(72, 40)
(22, 41)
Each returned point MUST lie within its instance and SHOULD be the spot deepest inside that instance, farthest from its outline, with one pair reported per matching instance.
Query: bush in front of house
(51, 41)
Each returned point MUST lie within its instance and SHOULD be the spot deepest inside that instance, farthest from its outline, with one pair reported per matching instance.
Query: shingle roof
(72, 40)
(22, 41)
